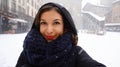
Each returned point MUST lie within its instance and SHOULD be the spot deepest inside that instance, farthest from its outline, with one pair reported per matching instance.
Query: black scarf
(41, 53)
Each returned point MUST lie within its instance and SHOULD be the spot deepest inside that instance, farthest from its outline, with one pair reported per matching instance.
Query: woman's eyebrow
(57, 20)
(42, 20)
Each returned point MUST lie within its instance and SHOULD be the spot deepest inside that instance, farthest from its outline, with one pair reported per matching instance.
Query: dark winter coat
(62, 52)
(80, 59)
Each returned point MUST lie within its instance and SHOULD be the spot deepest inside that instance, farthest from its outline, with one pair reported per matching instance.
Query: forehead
(51, 14)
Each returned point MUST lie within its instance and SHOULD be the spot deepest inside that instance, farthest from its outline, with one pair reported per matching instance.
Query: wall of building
(114, 15)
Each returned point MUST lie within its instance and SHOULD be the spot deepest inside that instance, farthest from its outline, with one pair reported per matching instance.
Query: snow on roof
(94, 15)
(16, 20)
(21, 20)
(108, 24)
(116, 1)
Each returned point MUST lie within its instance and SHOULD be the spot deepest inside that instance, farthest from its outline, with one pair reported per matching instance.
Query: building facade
(114, 15)
(92, 23)
(20, 9)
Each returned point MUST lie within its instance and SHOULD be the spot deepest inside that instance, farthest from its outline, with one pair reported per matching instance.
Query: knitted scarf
(41, 53)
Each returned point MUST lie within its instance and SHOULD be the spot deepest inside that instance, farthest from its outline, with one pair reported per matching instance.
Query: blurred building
(114, 15)
(100, 10)
(21, 9)
(109, 9)
(92, 23)
(93, 18)
(107, 2)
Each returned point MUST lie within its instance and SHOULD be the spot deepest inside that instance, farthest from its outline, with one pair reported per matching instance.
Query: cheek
(60, 30)
(42, 30)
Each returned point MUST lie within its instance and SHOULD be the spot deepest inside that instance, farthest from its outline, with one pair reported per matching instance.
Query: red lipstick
(50, 37)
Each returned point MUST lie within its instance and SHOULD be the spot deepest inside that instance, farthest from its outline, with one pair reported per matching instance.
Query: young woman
(52, 41)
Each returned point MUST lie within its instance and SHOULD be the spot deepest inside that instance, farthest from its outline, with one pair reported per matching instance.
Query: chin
(49, 40)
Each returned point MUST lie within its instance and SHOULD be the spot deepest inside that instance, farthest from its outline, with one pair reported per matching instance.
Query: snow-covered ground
(103, 48)
(10, 48)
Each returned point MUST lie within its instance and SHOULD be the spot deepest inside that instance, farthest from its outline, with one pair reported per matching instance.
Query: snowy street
(10, 49)
(103, 48)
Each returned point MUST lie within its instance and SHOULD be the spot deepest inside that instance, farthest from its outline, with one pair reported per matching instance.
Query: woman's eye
(42, 23)
(57, 22)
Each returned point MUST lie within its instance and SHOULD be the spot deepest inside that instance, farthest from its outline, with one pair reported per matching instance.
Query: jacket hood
(65, 14)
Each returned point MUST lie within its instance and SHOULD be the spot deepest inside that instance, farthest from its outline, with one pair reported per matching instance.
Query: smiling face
(51, 25)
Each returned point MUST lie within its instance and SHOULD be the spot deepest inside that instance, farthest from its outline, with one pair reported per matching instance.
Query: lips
(50, 37)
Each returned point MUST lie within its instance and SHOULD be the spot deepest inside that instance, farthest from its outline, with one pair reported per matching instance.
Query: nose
(49, 29)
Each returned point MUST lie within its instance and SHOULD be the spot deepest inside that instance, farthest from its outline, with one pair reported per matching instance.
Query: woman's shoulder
(78, 49)
(84, 60)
